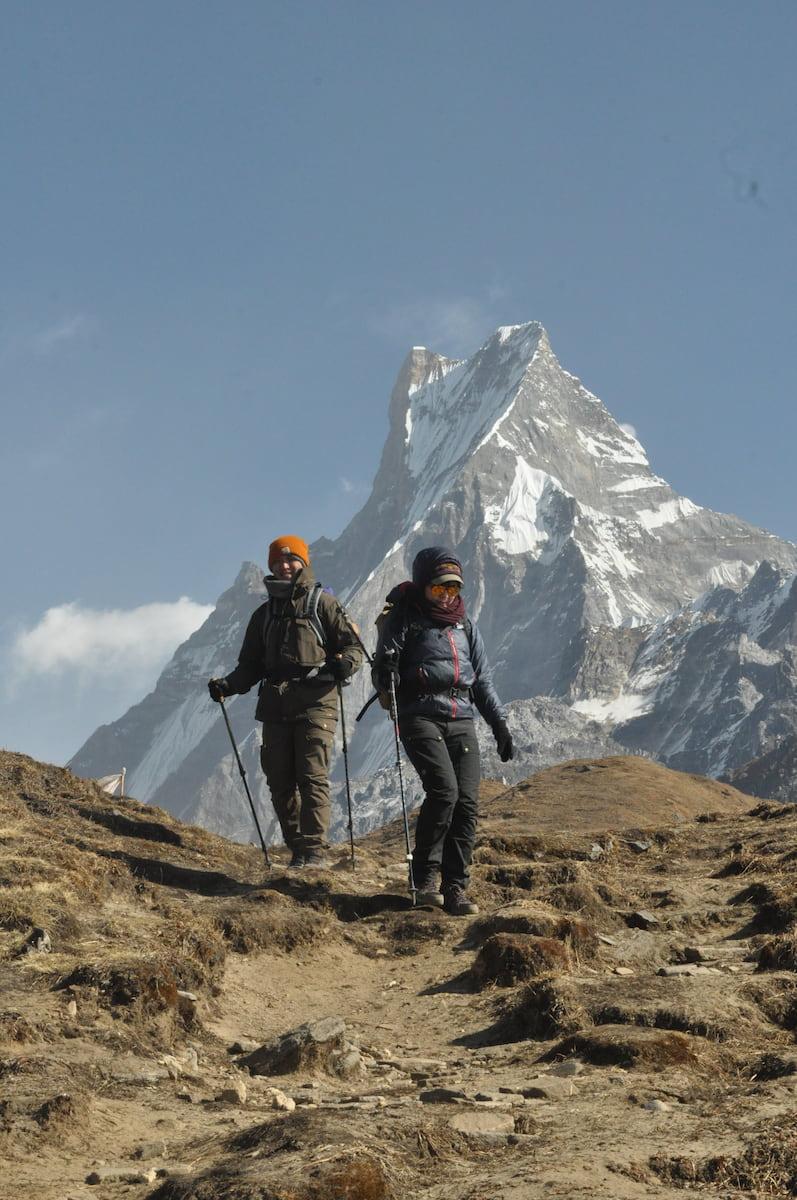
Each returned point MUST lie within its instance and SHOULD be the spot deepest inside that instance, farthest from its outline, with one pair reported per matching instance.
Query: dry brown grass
(769, 1066)
(544, 1009)
(584, 901)
(777, 1000)
(621, 1046)
(408, 933)
(14, 1027)
(536, 920)
(779, 954)
(268, 920)
(147, 906)
(510, 958)
(617, 792)
(356, 1178)
(58, 1110)
(352, 1176)
(767, 1167)
(778, 912)
(111, 882)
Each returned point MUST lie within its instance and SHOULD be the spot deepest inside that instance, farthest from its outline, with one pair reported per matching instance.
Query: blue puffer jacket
(443, 672)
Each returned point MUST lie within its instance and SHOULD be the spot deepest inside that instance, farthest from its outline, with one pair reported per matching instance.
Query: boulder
(234, 1093)
(318, 1045)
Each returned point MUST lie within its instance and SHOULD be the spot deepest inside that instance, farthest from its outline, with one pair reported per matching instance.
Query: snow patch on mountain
(621, 708)
(618, 447)
(665, 514)
(516, 523)
(733, 574)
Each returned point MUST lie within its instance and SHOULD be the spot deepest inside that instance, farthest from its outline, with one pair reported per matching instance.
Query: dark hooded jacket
(443, 669)
(281, 651)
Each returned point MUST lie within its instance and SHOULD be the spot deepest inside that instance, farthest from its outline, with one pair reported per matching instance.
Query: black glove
(218, 689)
(385, 672)
(339, 669)
(503, 740)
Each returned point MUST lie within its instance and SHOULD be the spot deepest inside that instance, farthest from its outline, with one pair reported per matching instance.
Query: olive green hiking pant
(295, 758)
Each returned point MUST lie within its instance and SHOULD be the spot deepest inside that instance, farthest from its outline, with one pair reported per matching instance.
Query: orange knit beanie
(292, 547)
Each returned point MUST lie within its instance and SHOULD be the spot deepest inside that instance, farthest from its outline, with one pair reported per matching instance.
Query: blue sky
(222, 227)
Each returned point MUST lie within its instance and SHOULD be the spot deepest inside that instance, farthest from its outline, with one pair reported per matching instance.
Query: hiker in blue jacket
(436, 657)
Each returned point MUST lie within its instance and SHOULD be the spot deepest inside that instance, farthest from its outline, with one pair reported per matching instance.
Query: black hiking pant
(446, 756)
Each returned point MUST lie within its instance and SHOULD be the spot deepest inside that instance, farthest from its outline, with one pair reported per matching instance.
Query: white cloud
(101, 644)
(62, 332)
(453, 325)
(28, 337)
(351, 487)
(627, 428)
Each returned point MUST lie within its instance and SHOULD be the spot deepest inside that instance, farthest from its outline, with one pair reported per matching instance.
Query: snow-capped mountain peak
(576, 555)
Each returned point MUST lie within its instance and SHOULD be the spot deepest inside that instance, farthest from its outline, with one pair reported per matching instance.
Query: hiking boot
(297, 860)
(316, 858)
(427, 893)
(457, 904)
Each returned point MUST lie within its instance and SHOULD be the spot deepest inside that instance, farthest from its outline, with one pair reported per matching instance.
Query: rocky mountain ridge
(772, 775)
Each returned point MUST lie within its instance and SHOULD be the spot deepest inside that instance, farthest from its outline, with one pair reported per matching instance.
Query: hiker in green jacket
(298, 646)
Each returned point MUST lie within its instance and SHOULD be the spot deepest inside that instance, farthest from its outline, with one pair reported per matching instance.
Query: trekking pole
(365, 651)
(394, 717)
(242, 769)
(346, 770)
(366, 706)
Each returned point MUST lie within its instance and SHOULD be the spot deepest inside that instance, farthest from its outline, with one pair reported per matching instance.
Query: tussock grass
(621, 1046)
(509, 958)
(766, 1167)
(779, 954)
(776, 999)
(269, 921)
(544, 1009)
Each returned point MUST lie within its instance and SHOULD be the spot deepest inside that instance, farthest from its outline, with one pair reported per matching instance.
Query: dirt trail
(536, 1050)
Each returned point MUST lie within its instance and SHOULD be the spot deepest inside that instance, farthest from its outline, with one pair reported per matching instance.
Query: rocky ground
(178, 1023)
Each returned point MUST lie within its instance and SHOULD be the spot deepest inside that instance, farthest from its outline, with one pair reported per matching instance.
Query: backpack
(309, 611)
(407, 629)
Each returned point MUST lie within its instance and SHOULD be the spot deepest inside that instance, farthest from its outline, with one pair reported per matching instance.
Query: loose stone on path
(483, 1121)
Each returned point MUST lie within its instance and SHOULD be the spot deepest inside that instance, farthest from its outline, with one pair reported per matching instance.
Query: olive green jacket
(282, 653)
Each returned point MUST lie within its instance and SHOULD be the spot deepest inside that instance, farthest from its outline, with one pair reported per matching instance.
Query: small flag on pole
(114, 785)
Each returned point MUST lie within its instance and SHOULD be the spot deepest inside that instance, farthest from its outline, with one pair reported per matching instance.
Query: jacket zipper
(450, 636)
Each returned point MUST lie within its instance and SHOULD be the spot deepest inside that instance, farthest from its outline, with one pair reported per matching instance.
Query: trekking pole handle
(391, 655)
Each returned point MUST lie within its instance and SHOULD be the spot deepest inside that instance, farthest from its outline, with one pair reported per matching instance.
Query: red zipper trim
(456, 671)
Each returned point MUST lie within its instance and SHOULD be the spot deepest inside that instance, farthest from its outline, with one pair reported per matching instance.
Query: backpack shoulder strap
(311, 613)
(268, 617)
